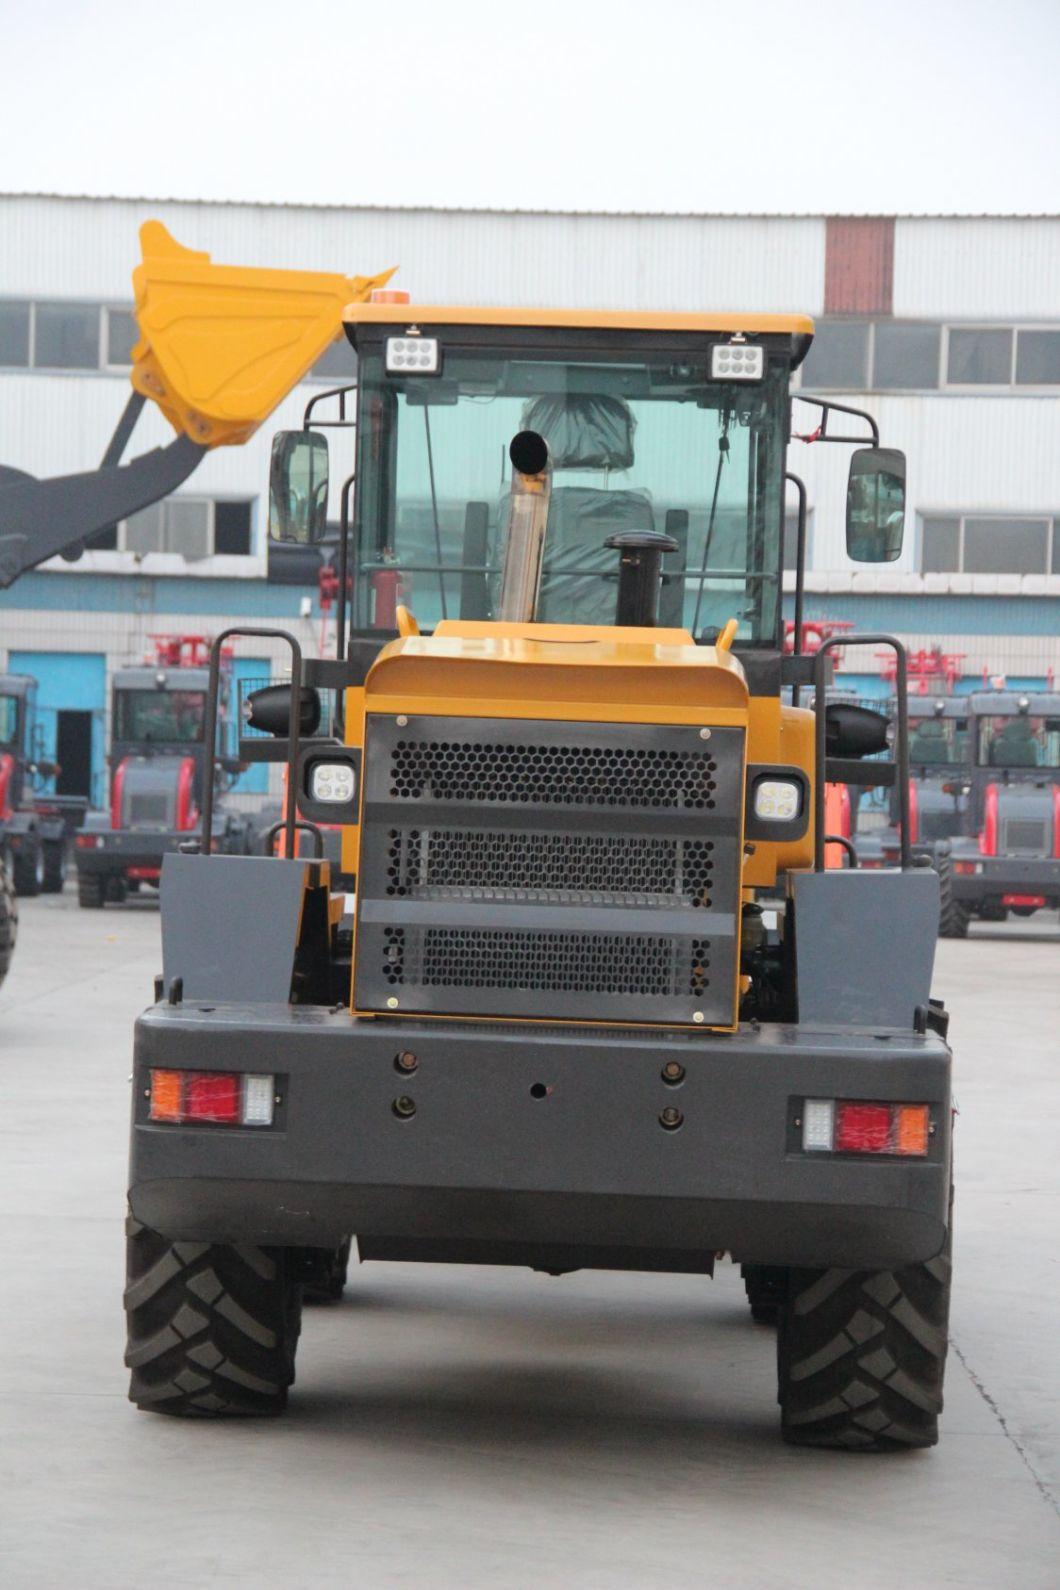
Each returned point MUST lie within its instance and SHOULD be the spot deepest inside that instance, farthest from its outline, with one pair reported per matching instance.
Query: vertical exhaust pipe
(639, 575)
(527, 518)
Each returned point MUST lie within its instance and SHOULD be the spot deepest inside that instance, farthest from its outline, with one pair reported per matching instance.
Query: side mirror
(875, 504)
(298, 487)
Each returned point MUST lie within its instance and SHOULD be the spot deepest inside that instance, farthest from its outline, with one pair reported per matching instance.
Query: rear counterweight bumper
(540, 1136)
(1001, 875)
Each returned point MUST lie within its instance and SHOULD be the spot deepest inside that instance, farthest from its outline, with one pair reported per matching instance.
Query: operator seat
(585, 432)
(1015, 746)
(929, 745)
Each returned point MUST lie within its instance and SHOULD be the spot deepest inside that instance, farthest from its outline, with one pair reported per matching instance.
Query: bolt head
(391, 1003)
(704, 734)
(407, 1061)
(698, 1017)
(671, 1118)
(673, 1072)
(404, 1106)
(402, 721)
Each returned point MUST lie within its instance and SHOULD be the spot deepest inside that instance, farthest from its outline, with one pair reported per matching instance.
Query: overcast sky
(904, 106)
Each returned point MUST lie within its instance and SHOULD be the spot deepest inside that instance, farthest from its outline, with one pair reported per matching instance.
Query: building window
(66, 337)
(122, 334)
(979, 356)
(231, 528)
(14, 335)
(1038, 358)
(194, 527)
(906, 356)
(838, 360)
(988, 544)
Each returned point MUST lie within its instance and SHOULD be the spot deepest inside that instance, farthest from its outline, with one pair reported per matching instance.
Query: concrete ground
(465, 1427)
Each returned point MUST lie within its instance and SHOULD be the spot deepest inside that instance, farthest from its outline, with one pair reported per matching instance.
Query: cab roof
(593, 319)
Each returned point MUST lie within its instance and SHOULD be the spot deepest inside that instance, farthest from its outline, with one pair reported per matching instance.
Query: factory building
(946, 329)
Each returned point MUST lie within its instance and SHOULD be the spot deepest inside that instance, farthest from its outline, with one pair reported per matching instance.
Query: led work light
(332, 782)
(736, 361)
(414, 355)
(777, 800)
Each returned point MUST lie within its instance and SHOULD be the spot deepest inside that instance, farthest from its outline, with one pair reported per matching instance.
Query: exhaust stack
(527, 518)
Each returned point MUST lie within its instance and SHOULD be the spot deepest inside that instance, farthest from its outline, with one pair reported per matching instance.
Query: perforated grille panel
(550, 869)
(562, 868)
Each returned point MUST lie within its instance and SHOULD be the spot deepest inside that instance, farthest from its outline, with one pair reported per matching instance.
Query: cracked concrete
(465, 1427)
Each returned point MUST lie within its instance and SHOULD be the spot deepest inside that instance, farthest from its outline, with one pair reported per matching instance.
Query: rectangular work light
(737, 361)
(862, 1126)
(212, 1098)
(413, 355)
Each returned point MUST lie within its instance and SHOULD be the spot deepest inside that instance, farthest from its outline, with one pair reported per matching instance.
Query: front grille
(552, 775)
(549, 869)
(1024, 833)
(148, 811)
(558, 868)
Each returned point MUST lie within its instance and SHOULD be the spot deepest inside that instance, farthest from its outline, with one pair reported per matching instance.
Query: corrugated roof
(468, 209)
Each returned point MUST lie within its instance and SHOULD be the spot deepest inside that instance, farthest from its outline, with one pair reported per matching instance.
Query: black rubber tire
(90, 891)
(953, 914)
(766, 1286)
(117, 890)
(212, 1330)
(8, 921)
(54, 866)
(27, 868)
(330, 1282)
(861, 1356)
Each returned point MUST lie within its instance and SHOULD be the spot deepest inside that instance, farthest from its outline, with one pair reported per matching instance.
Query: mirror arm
(828, 407)
(330, 392)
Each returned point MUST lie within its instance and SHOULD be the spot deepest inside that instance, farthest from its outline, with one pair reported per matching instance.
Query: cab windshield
(169, 716)
(637, 443)
(938, 742)
(1022, 741)
(8, 719)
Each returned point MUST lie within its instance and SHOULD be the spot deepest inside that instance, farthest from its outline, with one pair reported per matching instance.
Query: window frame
(962, 515)
(190, 498)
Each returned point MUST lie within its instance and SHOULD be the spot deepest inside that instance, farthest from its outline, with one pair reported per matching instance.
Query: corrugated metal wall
(1005, 268)
(86, 248)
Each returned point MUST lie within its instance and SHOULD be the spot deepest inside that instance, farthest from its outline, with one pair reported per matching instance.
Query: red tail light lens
(218, 1098)
(862, 1128)
(212, 1096)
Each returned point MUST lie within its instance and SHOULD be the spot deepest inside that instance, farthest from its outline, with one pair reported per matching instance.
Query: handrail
(901, 746)
(268, 838)
(212, 694)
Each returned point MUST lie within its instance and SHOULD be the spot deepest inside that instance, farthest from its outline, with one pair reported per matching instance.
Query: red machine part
(988, 837)
(185, 651)
(117, 793)
(1056, 821)
(7, 764)
(914, 815)
(836, 821)
(926, 669)
(187, 814)
(815, 631)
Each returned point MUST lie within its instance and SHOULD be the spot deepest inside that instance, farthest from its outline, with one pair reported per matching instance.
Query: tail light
(217, 1098)
(860, 1126)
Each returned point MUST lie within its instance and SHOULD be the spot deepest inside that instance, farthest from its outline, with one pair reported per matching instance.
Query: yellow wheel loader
(593, 1002)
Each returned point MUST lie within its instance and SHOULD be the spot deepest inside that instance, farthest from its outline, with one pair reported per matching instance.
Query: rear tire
(212, 1329)
(953, 914)
(90, 891)
(8, 921)
(861, 1356)
(54, 866)
(117, 890)
(27, 869)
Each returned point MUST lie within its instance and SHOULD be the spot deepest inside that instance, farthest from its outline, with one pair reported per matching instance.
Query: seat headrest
(582, 431)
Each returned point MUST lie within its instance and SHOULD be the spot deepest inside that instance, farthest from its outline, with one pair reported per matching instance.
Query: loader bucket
(221, 345)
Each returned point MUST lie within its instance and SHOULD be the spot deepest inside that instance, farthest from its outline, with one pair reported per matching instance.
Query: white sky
(893, 106)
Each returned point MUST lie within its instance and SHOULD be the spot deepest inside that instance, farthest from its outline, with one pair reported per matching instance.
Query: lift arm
(220, 346)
